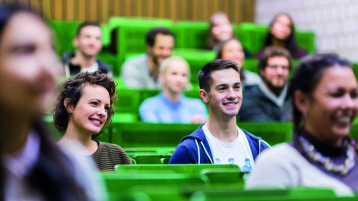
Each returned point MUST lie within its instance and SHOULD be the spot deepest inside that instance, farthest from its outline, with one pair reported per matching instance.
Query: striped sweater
(108, 155)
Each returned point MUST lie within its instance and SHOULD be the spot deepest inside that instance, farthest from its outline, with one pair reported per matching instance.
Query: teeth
(344, 119)
(95, 120)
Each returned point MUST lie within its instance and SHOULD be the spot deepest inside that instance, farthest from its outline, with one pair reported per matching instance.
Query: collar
(22, 162)
(324, 149)
(278, 100)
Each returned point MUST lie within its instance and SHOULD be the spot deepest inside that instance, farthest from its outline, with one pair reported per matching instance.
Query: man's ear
(75, 41)
(68, 106)
(301, 102)
(204, 95)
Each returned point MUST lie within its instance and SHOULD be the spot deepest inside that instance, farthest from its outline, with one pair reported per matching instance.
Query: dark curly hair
(72, 89)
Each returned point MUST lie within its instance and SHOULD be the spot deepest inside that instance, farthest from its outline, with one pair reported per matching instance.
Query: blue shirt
(160, 109)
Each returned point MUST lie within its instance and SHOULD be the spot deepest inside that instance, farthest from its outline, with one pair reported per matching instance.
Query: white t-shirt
(94, 67)
(237, 152)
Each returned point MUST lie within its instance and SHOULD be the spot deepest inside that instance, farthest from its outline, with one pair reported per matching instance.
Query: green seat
(272, 132)
(296, 194)
(224, 175)
(191, 34)
(140, 134)
(151, 158)
(123, 182)
(177, 168)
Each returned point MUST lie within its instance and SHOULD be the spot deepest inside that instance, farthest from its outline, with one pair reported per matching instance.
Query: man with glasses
(268, 101)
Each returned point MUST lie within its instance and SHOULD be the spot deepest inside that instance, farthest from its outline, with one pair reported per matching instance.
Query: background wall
(101, 10)
(335, 22)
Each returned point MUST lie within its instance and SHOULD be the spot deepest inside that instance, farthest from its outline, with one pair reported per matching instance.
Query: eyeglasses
(277, 66)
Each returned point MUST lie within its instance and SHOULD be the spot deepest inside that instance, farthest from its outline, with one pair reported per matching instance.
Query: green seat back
(271, 132)
(191, 34)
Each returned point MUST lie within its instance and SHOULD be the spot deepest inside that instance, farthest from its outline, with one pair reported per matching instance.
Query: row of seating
(125, 37)
(197, 183)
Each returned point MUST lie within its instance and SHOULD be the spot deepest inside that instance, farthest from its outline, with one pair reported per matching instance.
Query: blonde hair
(166, 63)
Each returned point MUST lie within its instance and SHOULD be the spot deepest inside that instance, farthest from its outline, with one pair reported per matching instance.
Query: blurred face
(222, 29)
(281, 28)
(225, 96)
(90, 113)
(89, 41)
(162, 48)
(232, 50)
(175, 79)
(276, 73)
(29, 67)
(333, 105)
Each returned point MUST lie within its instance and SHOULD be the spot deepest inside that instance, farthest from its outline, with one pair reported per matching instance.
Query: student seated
(282, 34)
(268, 100)
(142, 72)
(88, 42)
(83, 107)
(171, 106)
(232, 49)
(322, 154)
(220, 140)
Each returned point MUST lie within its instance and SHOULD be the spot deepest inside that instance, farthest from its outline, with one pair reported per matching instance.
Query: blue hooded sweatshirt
(195, 149)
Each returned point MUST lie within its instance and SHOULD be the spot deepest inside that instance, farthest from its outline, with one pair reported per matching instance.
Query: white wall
(335, 22)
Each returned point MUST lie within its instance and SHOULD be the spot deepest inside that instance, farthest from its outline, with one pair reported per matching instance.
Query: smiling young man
(220, 140)
(268, 101)
(88, 43)
(143, 71)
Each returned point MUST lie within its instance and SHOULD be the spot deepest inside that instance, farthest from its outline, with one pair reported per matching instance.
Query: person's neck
(278, 43)
(74, 134)
(224, 129)
(172, 96)
(82, 60)
(153, 67)
(15, 132)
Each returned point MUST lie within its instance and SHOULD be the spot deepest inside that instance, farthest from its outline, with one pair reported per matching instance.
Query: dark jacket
(195, 149)
(76, 69)
(258, 106)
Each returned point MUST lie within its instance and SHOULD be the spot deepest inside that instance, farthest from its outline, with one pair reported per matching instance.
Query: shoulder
(151, 102)
(103, 66)
(137, 60)
(67, 57)
(257, 141)
(85, 171)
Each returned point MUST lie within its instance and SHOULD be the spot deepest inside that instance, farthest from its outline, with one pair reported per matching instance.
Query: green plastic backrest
(271, 132)
(122, 182)
(177, 168)
(142, 134)
(64, 32)
(266, 194)
(223, 175)
(150, 158)
(192, 34)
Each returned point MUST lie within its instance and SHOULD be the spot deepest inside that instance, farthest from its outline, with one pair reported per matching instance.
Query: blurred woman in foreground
(32, 166)
(322, 154)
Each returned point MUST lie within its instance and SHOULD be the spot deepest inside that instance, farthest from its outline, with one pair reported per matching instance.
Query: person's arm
(182, 155)
(130, 75)
(270, 171)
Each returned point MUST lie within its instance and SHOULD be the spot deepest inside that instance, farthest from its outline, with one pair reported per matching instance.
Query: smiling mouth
(95, 121)
(230, 103)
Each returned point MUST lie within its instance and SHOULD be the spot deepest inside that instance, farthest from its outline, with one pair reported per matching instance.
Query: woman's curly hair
(72, 89)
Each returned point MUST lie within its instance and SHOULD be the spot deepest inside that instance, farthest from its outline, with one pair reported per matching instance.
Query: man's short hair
(274, 52)
(85, 24)
(150, 37)
(204, 76)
